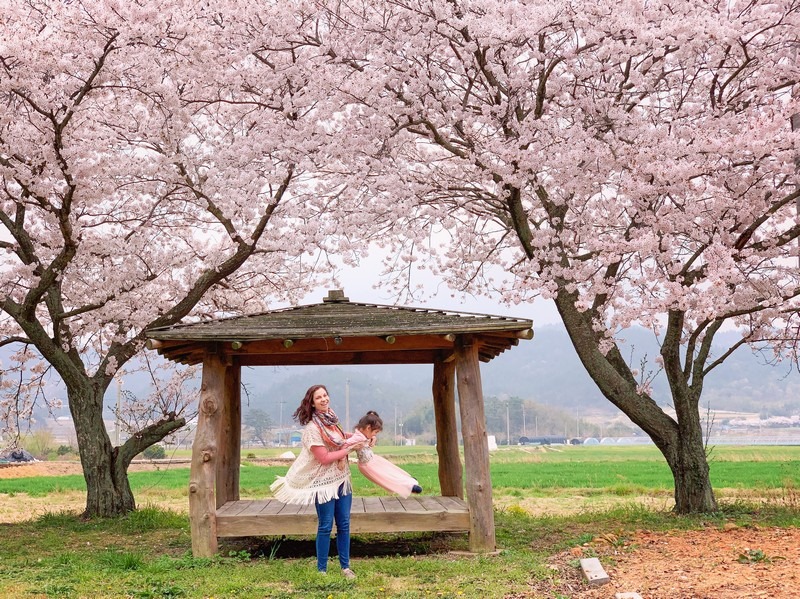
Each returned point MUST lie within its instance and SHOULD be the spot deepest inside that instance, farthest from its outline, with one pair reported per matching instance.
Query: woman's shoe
(416, 489)
(348, 573)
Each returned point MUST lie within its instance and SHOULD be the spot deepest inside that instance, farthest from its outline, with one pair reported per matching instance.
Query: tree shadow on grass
(371, 545)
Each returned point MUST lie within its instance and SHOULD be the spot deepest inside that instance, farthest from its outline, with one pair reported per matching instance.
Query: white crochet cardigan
(307, 479)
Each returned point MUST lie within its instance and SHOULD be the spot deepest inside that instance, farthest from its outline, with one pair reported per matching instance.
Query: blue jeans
(338, 510)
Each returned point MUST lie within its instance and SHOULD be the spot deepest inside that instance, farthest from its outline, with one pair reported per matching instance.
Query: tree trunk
(693, 492)
(108, 492)
(680, 442)
(686, 454)
(105, 467)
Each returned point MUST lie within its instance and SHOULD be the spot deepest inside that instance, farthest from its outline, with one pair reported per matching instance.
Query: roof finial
(335, 295)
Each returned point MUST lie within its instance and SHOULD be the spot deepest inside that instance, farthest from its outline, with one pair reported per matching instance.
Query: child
(376, 468)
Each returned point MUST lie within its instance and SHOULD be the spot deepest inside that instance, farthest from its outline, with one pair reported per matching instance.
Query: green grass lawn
(148, 553)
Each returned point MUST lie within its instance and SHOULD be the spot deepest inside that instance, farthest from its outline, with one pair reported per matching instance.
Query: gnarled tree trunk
(681, 441)
(105, 467)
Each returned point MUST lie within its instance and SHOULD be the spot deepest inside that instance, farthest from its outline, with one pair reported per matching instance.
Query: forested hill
(545, 369)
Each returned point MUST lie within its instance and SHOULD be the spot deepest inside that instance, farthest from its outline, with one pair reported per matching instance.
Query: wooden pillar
(476, 447)
(230, 437)
(202, 478)
(451, 478)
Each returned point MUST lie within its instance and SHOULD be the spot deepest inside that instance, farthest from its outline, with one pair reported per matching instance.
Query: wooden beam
(170, 347)
(408, 349)
(269, 517)
(520, 334)
(476, 447)
(229, 437)
(336, 358)
(451, 479)
(202, 483)
(193, 353)
(347, 345)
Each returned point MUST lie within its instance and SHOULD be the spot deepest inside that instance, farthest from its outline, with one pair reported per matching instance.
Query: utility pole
(347, 404)
(508, 427)
(280, 422)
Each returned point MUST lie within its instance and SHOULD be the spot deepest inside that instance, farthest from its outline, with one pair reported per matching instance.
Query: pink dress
(381, 471)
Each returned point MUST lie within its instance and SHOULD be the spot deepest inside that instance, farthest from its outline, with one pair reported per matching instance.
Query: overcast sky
(358, 282)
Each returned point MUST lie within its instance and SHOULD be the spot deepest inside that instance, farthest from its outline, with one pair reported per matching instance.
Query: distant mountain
(545, 369)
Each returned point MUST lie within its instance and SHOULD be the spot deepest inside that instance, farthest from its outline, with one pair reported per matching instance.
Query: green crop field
(535, 471)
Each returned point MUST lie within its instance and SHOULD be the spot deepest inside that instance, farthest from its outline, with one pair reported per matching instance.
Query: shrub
(39, 443)
(155, 452)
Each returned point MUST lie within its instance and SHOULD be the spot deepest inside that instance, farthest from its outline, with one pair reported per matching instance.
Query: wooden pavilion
(340, 332)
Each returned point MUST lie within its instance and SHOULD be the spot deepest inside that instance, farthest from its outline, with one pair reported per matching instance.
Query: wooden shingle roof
(338, 331)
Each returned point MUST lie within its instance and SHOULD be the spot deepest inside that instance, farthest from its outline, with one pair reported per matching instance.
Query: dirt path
(39, 469)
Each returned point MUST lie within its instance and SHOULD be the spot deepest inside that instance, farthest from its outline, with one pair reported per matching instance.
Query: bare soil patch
(731, 563)
(26, 469)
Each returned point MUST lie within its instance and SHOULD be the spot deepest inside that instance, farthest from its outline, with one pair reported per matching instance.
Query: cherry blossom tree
(171, 392)
(631, 160)
(158, 161)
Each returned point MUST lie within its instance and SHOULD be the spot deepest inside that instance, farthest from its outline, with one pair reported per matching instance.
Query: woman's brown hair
(305, 411)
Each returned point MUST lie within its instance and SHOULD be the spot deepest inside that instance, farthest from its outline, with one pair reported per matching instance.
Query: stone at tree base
(594, 572)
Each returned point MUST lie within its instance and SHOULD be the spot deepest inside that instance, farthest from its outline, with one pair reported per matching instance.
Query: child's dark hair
(372, 420)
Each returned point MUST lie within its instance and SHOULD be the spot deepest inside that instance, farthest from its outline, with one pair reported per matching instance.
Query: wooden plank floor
(267, 517)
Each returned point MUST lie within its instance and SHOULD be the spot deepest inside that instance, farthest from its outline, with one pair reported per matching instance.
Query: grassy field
(147, 554)
(615, 470)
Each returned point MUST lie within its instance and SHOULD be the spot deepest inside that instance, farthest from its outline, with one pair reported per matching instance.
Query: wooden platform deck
(245, 518)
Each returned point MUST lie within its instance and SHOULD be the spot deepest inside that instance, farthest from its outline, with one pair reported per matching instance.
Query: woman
(321, 474)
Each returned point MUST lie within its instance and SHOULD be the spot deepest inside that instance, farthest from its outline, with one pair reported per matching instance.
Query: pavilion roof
(338, 331)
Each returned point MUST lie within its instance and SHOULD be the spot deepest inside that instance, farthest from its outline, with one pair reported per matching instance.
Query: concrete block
(593, 571)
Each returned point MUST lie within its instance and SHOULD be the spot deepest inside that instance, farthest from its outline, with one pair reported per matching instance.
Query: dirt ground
(730, 563)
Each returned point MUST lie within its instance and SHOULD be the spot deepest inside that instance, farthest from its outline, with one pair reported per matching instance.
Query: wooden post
(230, 437)
(202, 483)
(476, 447)
(451, 478)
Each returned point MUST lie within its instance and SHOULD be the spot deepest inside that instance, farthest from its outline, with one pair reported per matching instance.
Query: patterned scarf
(326, 420)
